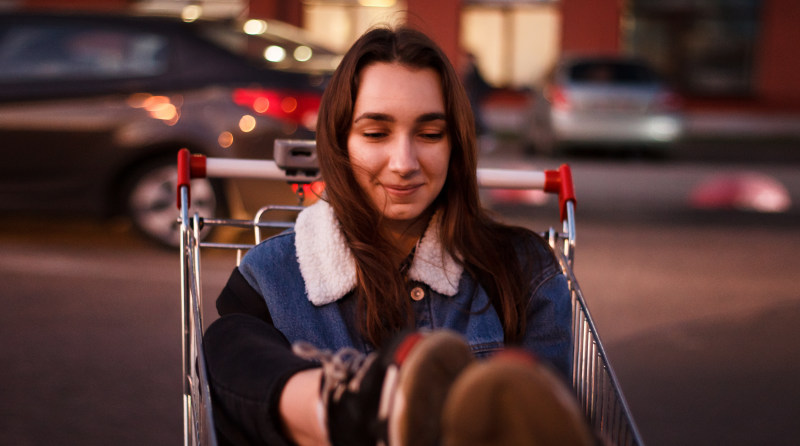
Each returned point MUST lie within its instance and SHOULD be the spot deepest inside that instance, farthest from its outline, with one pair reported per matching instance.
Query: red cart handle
(554, 181)
(189, 166)
(560, 182)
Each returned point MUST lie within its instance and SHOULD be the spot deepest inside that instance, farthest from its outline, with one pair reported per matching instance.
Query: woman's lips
(402, 190)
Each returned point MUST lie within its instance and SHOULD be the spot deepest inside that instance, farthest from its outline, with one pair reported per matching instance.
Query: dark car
(94, 108)
(611, 102)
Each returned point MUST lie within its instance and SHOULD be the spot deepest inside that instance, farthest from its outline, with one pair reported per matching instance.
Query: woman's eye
(432, 136)
(374, 134)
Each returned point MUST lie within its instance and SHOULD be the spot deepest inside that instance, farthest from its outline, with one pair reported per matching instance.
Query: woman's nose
(403, 157)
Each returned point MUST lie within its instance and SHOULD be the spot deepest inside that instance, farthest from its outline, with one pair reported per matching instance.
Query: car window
(612, 73)
(49, 52)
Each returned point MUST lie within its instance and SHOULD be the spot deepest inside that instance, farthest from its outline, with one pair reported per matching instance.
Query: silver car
(609, 102)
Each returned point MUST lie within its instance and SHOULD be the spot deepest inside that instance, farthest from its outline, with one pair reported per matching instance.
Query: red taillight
(557, 97)
(296, 107)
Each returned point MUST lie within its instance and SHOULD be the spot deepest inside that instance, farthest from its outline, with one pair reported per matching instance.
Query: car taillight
(297, 107)
(558, 97)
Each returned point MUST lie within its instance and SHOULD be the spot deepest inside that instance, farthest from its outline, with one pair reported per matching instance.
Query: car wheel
(150, 202)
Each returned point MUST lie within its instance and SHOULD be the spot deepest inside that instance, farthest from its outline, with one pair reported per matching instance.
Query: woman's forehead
(392, 88)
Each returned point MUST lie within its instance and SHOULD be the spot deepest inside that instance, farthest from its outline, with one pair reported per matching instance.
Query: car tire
(150, 202)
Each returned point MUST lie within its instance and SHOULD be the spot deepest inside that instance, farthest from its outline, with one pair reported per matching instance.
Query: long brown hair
(484, 246)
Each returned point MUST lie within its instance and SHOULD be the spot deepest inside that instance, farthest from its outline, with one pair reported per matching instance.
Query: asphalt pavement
(689, 294)
(697, 307)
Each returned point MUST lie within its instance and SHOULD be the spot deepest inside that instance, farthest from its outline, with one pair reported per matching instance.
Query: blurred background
(680, 120)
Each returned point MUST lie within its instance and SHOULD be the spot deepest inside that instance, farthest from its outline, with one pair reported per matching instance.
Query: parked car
(610, 102)
(94, 108)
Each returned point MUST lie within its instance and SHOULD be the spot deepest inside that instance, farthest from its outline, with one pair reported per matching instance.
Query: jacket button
(417, 293)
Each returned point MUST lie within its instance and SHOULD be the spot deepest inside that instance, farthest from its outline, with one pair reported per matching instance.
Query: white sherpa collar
(329, 269)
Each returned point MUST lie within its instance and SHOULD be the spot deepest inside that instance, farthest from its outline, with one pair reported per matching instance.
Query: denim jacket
(307, 277)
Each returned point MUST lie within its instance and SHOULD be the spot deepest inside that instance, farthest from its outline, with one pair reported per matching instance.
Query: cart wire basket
(593, 381)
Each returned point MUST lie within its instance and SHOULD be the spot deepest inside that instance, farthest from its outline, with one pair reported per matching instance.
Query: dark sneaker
(393, 397)
(513, 400)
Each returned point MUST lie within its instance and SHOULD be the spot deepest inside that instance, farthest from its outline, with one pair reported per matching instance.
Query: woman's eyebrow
(375, 116)
(427, 117)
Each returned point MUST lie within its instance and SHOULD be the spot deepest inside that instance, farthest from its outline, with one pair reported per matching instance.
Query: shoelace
(342, 370)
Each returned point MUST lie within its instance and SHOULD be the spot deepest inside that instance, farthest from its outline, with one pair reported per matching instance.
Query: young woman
(398, 244)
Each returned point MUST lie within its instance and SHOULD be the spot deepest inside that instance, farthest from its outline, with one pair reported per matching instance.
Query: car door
(64, 88)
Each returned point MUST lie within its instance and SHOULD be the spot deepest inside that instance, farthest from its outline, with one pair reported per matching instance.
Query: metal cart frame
(594, 381)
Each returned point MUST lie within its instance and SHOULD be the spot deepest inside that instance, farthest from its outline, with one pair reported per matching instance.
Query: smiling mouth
(402, 190)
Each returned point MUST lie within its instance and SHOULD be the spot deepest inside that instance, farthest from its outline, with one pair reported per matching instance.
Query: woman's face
(398, 142)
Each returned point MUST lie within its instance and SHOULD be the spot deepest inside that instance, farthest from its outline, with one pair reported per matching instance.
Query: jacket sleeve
(548, 331)
(249, 362)
(549, 319)
(239, 297)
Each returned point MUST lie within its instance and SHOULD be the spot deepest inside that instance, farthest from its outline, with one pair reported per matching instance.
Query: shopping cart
(593, 381)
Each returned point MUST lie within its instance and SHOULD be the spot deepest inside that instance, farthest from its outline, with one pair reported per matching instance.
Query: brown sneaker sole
(423, 383)
(512, 400)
